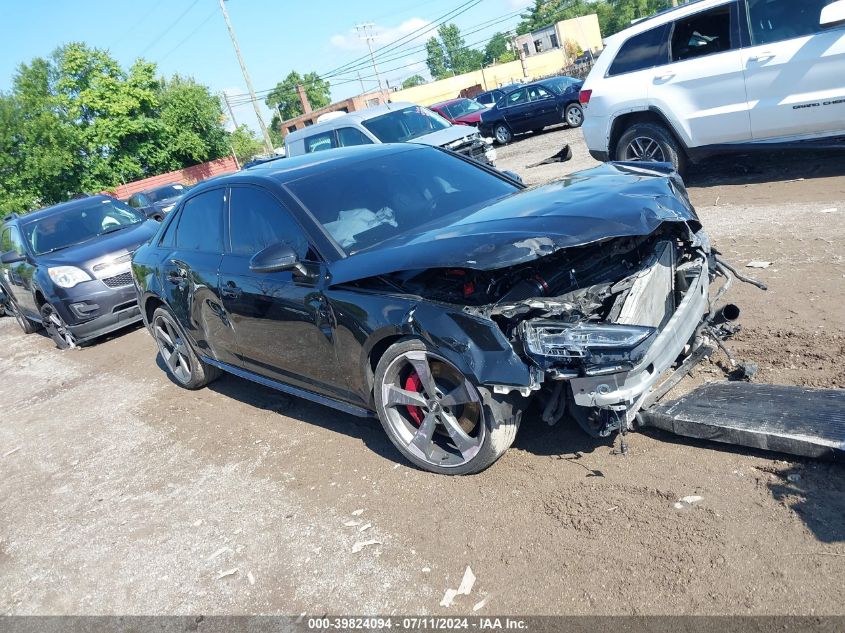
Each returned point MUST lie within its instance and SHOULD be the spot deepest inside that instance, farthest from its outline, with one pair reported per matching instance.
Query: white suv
(715, 76)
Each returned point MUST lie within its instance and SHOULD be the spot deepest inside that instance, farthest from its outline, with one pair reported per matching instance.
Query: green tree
(448, 54)
(286, 97)
(613, 15)
(436, 59)
(413, 80)
(498, 50)
(245, 144)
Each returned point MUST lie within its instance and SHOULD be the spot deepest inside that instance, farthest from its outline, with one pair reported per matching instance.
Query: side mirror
(833, 14)
(11, 257)
(277, 258)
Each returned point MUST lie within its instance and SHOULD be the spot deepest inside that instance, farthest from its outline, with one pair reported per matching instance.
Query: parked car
(720, 76)
(434, 292)
(391, 123)
(532, 107)
(459, 111)
(157, 202)
(489, 98)
(261, 160)
(66, 267)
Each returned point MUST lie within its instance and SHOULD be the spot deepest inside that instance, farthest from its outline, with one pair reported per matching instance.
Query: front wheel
(502, 133)
(28, 327)
(650, 142)
(437, 418)
(182, 363)
(56, 327)
(574, 115)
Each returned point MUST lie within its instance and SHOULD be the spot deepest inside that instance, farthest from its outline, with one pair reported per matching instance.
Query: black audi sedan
(532, 107)
(441, 295)
(66, 268)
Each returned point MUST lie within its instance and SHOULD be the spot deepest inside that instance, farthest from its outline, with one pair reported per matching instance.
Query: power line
(169, 28)
(189, 36)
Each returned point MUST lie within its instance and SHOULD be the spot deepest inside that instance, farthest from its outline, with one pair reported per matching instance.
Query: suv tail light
(584, 96)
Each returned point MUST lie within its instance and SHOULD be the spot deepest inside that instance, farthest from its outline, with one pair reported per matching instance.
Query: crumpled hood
(441, 138)
(609, 201)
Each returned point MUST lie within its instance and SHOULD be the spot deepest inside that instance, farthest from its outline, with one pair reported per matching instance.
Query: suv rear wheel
(650, 142)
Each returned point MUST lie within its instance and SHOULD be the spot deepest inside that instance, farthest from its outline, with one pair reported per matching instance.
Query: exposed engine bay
(599, 323)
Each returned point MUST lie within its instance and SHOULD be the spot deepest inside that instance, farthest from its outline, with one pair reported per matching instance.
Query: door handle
(231, 291)
(664, 77)
(761, 57)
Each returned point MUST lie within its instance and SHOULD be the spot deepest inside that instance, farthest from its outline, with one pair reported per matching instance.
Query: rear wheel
(502, 134)
(573, 115)
(56, 328)
(650, 142)
(25, 324)
(182, 363)
(437, 418)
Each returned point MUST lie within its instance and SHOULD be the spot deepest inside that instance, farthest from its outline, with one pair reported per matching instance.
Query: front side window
(702, 34)
(646, 50)
(319, 142)
(778, 20)
(389, 197)
(10, 240)
(257, 220)
(200, 225)
(348, 136)
(517, 97)
(405, 124)
(80, 223)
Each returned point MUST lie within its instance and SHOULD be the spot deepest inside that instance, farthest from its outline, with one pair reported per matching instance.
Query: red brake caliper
(413, 383)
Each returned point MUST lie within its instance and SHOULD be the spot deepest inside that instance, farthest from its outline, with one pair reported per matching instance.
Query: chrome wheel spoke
(467, 445)
(422, 440)
(419, 361)
(458, 395)
(395, 396)
(163, 336)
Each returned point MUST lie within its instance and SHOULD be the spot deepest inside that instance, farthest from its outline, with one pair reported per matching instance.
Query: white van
(715, 76)
(391, 123)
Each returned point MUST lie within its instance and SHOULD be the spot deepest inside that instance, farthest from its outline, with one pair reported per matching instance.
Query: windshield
(462, 107)
(169, 191)
(406, 124)
(370, 201)
(79, 224)
(559, 84)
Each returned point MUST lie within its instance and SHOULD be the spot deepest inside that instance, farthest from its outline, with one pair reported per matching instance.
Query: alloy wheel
(56, 327)
(173, 348)
(574, 117)
(432, 409)
(503, 135)
(644, 148)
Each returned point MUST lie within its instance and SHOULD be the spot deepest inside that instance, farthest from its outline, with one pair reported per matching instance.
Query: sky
(189, 37)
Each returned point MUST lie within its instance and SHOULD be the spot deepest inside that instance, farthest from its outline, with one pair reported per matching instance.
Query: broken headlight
(550, 342)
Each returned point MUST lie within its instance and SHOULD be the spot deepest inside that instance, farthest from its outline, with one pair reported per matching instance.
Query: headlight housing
(68, 276)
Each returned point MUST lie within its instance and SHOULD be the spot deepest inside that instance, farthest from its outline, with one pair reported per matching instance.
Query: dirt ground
(121, 493)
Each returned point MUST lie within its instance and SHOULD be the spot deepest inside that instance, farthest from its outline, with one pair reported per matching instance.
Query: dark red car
(460, 111)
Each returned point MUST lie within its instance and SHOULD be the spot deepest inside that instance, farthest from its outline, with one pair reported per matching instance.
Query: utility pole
(231, 112)
(267, 142)
(363, 90)
(367, 29)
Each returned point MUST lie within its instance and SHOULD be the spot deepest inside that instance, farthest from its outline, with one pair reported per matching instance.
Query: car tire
(182, 363)
(502, 133)
(460, 430)
(573, 115)
(28, 326)
(650, 142)
(56, 327)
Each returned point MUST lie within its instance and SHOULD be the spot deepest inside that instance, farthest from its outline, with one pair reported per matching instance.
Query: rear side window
(319, 142)
(536, 93)
(702, 34)
(517, 97)
(348, 136)
(646, 50)
(201, 223)
(257, 220)
(778, 20)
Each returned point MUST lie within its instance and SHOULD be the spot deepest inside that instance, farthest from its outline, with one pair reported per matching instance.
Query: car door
(281, 320)
(190, 273)
(17, 277)
(544, 107)
(702, 87)
(794, 70)
(517, 110)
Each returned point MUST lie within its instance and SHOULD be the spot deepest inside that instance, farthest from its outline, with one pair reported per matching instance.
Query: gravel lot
(120, 493)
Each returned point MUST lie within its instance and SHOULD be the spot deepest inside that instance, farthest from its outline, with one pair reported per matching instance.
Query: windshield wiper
(112, 229)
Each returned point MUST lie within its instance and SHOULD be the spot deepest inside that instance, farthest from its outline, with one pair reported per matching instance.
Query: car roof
(447, 102)
(61, 207)
(169, 184)
(358, 116)
(296, 167)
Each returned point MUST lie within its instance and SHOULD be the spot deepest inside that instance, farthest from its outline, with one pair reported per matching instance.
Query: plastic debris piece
(11, 452)
(218, 552)
(357, 513)
(352, 523)
(365, 527)
(448, 598)
(691, 499)
(467, 582)
(250, 578)
(480, 604)
(362, 544)
(830, 210)
(227, 573)
(758, 264)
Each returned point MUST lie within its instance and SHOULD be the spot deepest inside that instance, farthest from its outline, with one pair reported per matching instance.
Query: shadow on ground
(763, 167)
